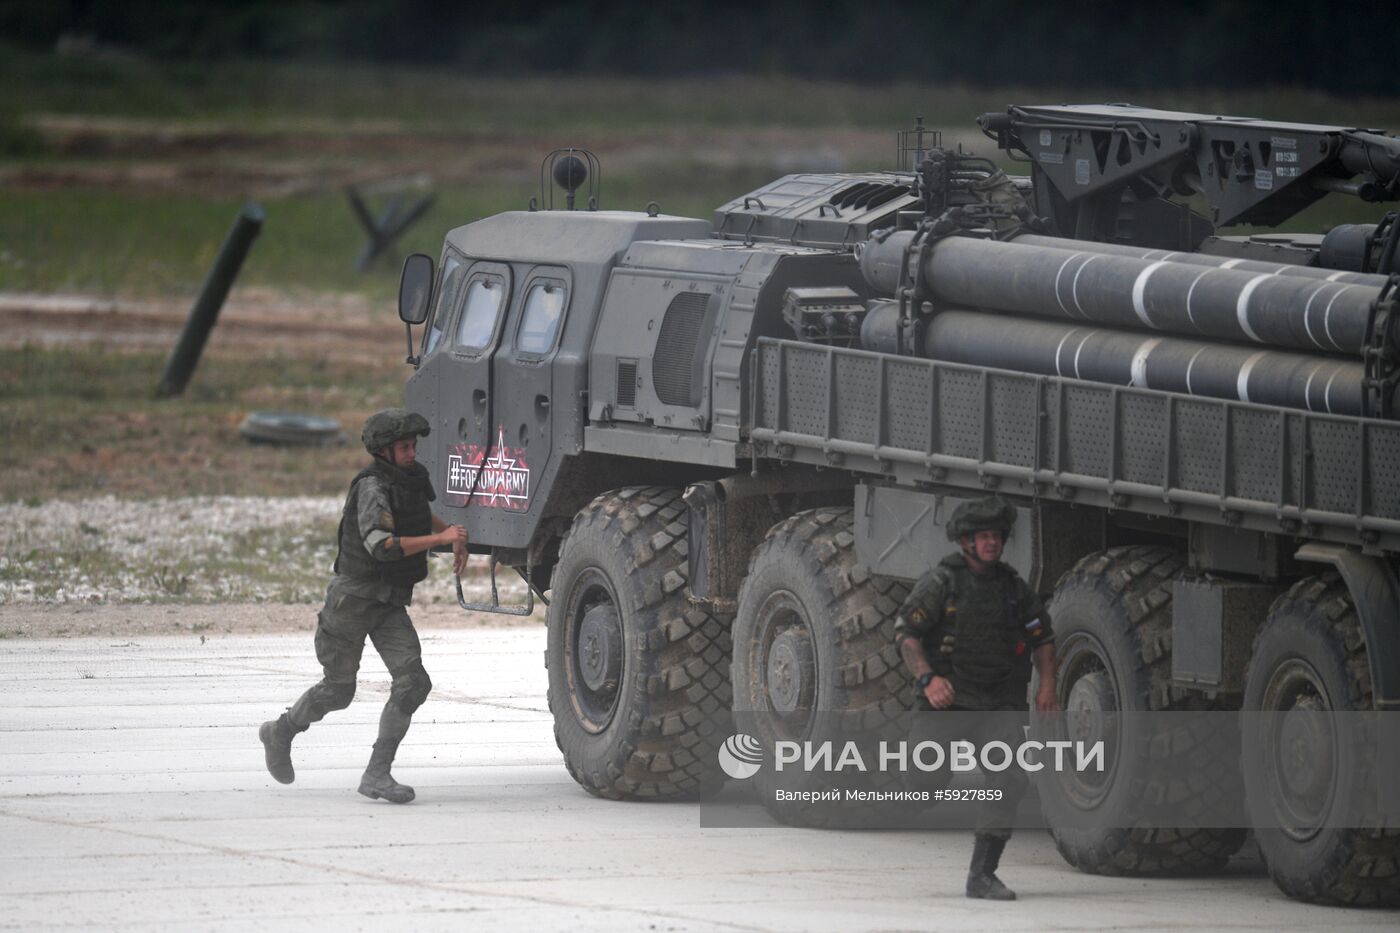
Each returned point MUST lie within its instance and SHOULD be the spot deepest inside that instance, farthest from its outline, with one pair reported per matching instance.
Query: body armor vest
(988, 644)
(409, 494)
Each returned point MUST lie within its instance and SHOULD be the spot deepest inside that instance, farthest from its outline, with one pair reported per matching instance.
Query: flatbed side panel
(1325, 477)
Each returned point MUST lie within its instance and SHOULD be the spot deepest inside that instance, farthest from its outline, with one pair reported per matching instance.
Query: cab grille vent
(626, 383)
(674, 367)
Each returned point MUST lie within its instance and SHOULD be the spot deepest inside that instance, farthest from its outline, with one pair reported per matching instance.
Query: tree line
(1342, 47)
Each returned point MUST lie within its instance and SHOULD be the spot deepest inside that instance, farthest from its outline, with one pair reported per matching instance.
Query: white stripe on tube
(1139, 288)
(1139, 367)
(1307, 390)
(1059, 273)
(1074, 286)
(1327, 318)
(1242, 305)
(1242, 382)
(1190, 363)
(1079, 349)
(1307, 312)
(1191, 291)
(1059, 371)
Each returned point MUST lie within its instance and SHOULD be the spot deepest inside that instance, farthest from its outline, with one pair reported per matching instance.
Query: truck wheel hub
(1090, 708)
(791, 671)
(600, 648)
(1306, 766)
(1302, 749)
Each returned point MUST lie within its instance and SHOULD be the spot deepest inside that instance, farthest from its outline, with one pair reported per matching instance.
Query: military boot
(277, 735)
(981, 874)
(377, 782)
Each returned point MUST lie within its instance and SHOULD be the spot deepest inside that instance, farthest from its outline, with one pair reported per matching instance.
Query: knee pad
(411, 688)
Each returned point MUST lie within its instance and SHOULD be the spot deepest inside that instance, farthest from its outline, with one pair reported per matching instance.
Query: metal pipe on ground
(204, 314)
(1173, 364)
(1176, 297)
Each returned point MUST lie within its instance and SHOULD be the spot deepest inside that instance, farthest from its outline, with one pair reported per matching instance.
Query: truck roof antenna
(913, 145)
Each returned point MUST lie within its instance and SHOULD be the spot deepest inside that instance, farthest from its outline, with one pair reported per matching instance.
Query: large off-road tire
(638, 676)
(1112, 620)
(814, 651)
(1310, 657)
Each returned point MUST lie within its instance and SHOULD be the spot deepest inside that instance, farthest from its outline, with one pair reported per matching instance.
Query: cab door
(470, 335)
(497, 397)
(525, 406)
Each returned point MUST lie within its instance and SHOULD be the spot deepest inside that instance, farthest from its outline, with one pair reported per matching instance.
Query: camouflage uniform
(978, 631)
(368, 597)
(361, 603)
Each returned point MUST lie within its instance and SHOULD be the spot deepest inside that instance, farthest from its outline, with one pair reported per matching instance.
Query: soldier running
(964, 633)
(386, 530)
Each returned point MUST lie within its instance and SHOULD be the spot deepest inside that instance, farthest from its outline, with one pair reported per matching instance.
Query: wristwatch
(924, 680)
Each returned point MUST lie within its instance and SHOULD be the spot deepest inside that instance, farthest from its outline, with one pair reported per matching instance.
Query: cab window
(452, 269)
(539, 322)
(480, 308)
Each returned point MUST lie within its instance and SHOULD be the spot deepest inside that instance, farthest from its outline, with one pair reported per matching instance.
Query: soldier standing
(386, 530)
(965, 633)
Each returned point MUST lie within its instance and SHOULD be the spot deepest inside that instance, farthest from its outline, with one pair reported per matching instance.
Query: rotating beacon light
(569, 169)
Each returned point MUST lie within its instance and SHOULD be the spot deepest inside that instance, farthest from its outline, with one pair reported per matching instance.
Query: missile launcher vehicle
(722, 449)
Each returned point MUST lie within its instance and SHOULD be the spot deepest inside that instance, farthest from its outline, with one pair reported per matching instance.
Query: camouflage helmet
(392, 424)
(990, 513)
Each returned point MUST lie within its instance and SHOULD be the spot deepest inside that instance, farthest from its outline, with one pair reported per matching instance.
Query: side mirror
(415, 289)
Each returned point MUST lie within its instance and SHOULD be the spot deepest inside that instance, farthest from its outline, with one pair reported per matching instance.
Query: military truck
(722, 449)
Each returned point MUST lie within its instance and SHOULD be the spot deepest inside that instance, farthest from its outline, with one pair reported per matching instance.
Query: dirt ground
(148, 451)
(254, 320)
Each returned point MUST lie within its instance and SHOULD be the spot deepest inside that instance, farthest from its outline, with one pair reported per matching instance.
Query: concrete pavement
(133, 796)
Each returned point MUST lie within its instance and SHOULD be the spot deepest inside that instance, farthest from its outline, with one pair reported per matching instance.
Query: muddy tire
(290, 429)
(1112, 621)
(814, 650)
(1310, 656)
(638, 676)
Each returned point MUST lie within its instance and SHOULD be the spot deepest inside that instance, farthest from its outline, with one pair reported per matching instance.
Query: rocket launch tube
(1173, 364)
(1127, 291)
(1203, 259)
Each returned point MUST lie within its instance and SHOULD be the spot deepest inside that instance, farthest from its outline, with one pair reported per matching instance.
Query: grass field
(140, 242)
(120, 177)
